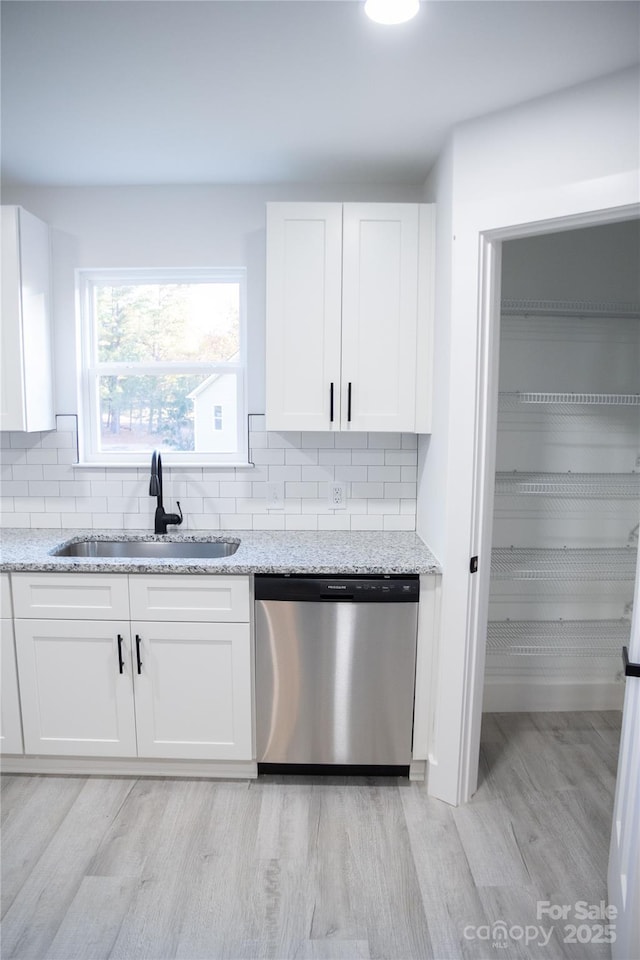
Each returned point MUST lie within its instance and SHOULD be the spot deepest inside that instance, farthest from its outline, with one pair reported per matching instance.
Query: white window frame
(90, 368)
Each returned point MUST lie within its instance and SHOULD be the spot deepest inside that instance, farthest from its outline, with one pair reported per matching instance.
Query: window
(159, 349)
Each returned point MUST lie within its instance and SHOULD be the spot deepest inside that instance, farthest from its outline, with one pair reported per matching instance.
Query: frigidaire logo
(336, 586)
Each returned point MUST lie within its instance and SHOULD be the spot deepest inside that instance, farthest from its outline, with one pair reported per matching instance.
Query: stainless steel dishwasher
(335, 670)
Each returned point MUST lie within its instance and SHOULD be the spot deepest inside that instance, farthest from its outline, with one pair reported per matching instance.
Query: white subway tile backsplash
(30, 473)
(59, 504)
(236, 521)
(75, 488)
(399, 523)
(334, 522)
(106, 488)
(334, 456)
(15, 520)
(15, 488)
(385, 441)
(235, 488)
(383, 506)
(346, 472)
(319, 474)
(404, 490)
(284, 440)
(367, 522)
(403, 458)
(318, 441)
(49, 520)
(42, 456)
(79, 520)
(204, 521)
(351, 441)
(367, 458)
(269, 521)
(269, 456)
(302, 456)
(219, 505)
(108, 521)
(367, 490)
(304, 491)
(42, 486)
(300, 522)
(279, 474)
(386, 474)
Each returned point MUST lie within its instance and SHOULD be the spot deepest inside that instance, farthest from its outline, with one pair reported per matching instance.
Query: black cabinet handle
(630, 669)
(138, 642)
(120, 660)
(349, 403)
(331, 404)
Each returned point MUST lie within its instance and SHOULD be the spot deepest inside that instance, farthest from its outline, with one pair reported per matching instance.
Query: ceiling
(96, 92)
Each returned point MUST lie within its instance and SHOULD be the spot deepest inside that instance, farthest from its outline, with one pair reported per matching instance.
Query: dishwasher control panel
(378, 588)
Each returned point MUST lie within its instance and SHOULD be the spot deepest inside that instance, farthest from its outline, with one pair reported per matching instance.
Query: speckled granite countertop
(259, 552)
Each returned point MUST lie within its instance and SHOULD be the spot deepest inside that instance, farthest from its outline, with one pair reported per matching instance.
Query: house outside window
(153, 344)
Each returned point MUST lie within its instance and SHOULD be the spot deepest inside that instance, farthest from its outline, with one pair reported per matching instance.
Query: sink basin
(158, 549)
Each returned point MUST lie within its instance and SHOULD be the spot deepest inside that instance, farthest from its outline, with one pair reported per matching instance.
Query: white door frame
(480, 230)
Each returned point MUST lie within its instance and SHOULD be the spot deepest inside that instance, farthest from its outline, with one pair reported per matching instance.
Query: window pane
(143, 413)
(167, 321)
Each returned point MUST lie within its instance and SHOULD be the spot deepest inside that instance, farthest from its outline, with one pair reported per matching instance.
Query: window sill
(144, 464)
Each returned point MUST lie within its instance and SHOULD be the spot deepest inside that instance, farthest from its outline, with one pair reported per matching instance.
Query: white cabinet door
(26, 387)
(193, 690)
(304, 281)
(10, 724)
(76, 687)
(379, 316)
(349, 316)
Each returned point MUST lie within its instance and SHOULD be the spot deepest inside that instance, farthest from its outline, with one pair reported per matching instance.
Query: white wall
(570, 155)
(601, 264)
(172, 226)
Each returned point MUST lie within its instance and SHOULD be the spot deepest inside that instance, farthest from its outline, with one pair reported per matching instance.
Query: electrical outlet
(275, 495)
(337, 498)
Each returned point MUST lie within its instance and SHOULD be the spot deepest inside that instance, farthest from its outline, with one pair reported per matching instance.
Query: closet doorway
(567, 483)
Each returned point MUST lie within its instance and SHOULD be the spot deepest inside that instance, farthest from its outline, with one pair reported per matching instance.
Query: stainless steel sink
(159, 549)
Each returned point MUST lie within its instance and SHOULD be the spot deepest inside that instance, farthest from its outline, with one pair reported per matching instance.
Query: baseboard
(108, 767)
(514, 696)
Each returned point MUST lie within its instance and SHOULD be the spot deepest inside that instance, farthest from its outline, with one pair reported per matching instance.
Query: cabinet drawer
(190, 597)
(70, 596)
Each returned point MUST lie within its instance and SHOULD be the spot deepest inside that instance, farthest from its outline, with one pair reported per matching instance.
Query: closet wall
(567, 493)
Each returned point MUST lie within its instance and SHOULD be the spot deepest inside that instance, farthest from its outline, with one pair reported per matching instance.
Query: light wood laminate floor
(319, 868)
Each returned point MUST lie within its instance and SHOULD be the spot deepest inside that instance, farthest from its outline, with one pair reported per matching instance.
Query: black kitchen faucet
(155, 490)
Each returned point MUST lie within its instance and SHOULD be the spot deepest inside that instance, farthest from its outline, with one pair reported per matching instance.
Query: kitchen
(118, 226)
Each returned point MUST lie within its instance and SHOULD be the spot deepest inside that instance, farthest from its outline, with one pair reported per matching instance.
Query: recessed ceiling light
(391, 11)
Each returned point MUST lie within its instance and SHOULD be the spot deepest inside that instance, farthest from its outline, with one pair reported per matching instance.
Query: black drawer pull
(349, 403)
(138, 642)
(331, 404)
(120, 660)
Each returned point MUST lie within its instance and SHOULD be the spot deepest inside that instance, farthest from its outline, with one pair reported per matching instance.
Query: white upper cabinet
(349, 316)
(26, 398)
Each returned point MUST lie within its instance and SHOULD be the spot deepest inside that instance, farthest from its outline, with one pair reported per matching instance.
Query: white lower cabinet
(10, 725)
(193, 690)
(76, 698)
(174, 684)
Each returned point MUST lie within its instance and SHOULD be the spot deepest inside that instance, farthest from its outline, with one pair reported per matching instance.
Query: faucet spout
(162, 519)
